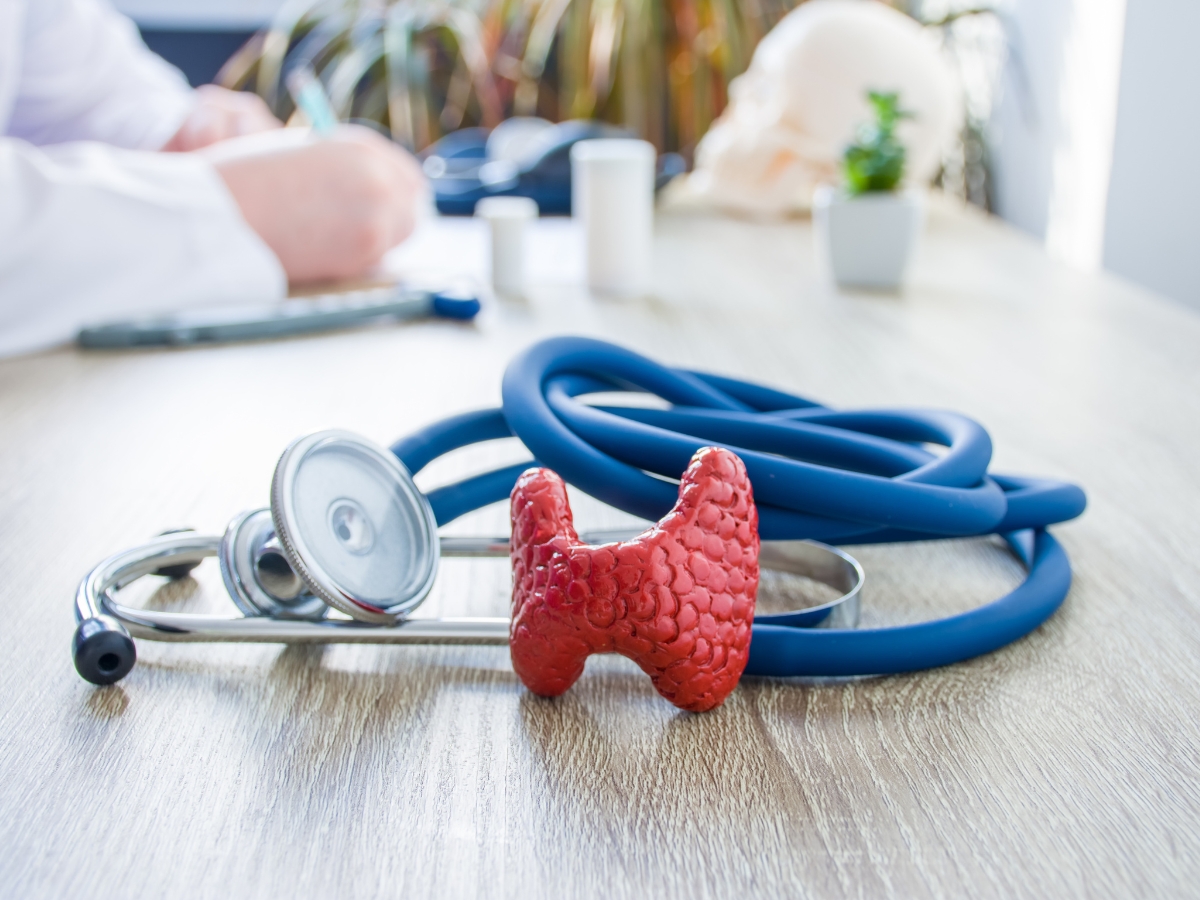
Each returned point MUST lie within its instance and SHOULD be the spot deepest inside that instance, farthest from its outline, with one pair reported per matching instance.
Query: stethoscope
(349, 548)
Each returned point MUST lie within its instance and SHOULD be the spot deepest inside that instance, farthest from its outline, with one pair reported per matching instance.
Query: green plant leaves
(875, 161)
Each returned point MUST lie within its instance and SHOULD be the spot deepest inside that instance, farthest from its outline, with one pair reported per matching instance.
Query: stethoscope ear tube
(783, 645)
(102, 647)
(841, 477)
(104, 650)
(777, 651)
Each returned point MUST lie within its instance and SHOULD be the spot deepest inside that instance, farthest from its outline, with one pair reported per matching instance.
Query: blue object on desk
(462, 173)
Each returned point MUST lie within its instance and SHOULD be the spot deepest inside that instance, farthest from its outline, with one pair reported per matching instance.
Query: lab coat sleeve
(86, 75)
(91, 233)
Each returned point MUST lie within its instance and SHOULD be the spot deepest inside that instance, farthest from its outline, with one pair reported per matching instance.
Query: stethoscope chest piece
(258, 575)
(349, 522)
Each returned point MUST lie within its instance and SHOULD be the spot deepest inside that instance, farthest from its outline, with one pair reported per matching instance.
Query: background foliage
(423, 68)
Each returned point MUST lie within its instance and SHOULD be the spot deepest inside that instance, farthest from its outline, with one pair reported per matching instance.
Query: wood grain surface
(1065, 765)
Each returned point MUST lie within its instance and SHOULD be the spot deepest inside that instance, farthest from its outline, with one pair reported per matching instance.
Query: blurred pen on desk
(325, 312)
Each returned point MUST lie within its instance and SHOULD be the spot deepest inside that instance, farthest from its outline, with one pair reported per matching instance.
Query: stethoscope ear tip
(104, 652)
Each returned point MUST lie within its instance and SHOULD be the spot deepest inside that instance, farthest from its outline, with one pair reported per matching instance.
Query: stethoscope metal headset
(348, 530)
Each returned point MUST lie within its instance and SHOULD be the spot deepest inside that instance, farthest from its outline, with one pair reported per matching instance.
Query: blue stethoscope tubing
(821, 474)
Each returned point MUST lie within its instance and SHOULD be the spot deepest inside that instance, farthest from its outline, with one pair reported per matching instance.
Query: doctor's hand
(329, 209)
(218, 115)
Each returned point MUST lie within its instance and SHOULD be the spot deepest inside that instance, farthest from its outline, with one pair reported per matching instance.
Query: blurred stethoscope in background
(521, 157)
(348, 530)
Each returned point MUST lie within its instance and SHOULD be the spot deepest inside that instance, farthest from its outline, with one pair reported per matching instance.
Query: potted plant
(869, 226)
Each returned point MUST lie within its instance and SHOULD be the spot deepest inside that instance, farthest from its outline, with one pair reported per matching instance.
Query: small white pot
(869, 238)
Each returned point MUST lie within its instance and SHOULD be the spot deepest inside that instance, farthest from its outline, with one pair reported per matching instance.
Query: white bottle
(507, 218)
(612, 196)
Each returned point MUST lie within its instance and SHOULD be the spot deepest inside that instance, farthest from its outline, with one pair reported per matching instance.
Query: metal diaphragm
(354, 526)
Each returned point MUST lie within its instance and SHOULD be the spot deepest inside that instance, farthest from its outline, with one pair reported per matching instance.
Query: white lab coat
(94, 225)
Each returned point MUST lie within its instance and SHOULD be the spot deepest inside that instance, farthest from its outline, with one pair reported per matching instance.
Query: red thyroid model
(678, 599)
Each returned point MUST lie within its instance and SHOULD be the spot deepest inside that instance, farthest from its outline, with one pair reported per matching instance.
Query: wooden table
(1067, 764)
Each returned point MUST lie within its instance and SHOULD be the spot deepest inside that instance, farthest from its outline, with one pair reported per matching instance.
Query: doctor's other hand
(329, 209)
(219, 115)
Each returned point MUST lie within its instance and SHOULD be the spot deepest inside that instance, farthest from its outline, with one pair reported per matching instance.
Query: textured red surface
(678, 599)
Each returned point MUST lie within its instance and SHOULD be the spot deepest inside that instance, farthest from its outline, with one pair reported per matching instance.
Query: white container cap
(507, 218)
(612, 150)
(506, 208)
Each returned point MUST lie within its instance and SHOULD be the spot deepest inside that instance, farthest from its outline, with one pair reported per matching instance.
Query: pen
(310, 98)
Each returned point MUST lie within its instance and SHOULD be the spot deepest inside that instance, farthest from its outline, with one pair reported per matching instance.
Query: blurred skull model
(796, 108)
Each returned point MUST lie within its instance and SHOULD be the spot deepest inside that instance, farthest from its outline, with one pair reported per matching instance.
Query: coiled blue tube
(828, 475)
